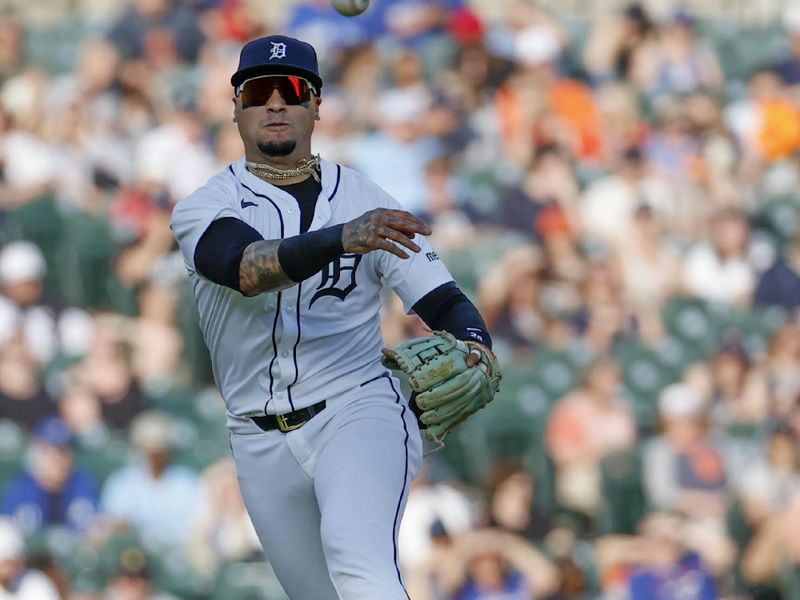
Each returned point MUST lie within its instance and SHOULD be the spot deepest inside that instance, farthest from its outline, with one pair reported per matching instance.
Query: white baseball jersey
(281, 351)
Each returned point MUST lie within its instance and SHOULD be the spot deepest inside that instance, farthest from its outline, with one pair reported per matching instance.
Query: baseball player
(288, 254)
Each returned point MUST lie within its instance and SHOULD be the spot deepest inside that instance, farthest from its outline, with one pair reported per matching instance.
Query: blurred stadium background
(615, 185)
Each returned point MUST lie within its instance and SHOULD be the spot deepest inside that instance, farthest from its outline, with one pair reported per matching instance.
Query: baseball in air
(350, 8)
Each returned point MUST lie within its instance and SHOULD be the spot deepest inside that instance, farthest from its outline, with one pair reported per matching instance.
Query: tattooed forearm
(378, 229)
(260, 271)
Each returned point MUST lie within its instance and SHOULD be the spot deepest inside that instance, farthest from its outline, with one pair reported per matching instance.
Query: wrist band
(304, 255)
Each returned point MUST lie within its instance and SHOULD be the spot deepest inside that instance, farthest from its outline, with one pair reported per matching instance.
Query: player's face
(275, 116)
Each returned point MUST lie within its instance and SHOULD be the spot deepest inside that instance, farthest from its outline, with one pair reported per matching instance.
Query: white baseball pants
(326, 499)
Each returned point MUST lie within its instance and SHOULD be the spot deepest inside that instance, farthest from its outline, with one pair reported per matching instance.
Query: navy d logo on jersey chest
(338, 278)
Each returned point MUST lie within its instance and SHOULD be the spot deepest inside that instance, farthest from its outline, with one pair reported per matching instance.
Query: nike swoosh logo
(246, 204)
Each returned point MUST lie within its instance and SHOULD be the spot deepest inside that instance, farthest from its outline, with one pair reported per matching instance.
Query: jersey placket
(286, 348)
(290, 320)
(286, 372)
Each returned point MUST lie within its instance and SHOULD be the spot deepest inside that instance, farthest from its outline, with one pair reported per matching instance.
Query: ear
(235, 118)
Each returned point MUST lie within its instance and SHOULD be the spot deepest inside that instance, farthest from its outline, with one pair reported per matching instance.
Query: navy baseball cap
(53, 431)
(278, 55)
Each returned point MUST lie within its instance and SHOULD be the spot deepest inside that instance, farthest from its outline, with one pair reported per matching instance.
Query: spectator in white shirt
(718, 270)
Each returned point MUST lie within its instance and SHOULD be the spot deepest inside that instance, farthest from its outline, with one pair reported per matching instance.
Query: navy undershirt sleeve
(447, 308)
(304, 255)
(220, 249)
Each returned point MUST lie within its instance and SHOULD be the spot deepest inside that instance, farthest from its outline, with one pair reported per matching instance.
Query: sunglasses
(257, 91)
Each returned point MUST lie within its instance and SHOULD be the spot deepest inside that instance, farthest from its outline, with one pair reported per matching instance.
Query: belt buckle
(283, 424)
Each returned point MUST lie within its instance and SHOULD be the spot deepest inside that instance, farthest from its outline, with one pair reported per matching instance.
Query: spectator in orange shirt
(766, 123)
(585, 426)
(538, 106)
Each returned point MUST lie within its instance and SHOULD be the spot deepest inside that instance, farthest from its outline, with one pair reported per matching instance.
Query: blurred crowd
(618, 195)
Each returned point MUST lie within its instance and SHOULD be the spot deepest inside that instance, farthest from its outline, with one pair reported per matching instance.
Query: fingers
(400, 238)
(404, 221)
(390, 247)
(400, 226)
(384, 229)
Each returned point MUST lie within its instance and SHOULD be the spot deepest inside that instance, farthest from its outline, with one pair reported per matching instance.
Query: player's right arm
(272, 265)
(217, 244)
(231, 253)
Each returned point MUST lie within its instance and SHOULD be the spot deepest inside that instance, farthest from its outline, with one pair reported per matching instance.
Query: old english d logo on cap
(278, 55)
(278, 50)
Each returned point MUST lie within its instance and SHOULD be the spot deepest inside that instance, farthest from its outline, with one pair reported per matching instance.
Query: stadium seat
(645, 409)
(85, 260)
(209, 405)
(13, 447)
(623, 491)
(467, 265)
(121, 298)
(85, 570)
(674, 355)
(740, 531)
(200, 423)
(511, 427)
(56, 46)
(790, 582)
(175, 400)
(55, 544)
(209, 443)
(248, 581)
(645, 375)
(40, 222)
(462, 266)
(752, 327)
(688, 320)
(779, 215)
(101, 453)
(541, 465)
(195, 351)
(740, 49)
(556, 371)
(172, 573)
(765, 247)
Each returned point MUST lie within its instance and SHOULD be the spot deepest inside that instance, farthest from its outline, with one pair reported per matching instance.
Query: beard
(277, 148)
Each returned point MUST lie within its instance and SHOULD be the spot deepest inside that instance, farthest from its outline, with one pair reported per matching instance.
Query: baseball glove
(448, 390)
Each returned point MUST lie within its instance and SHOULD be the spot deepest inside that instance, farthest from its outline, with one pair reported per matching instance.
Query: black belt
(288, 421)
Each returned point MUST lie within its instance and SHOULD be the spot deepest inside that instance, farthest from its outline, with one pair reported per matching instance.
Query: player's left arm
(453, 372)
(446, 308)
(427, 288)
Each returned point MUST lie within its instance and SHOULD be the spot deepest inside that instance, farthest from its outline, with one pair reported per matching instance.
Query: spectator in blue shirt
(780, 284)
(318, 22)
(143, 21)
(666, 570)
(501, 565)
(51, 491)
(158, 498)
(413, 22)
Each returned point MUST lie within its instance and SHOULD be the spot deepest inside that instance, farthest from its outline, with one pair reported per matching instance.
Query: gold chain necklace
(310, 166)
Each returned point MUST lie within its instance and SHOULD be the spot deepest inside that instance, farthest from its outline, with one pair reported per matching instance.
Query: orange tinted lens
(293, 90)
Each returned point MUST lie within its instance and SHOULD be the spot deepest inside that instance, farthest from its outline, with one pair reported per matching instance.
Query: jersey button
(285, 354)
(279, 394)
(290, 211)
